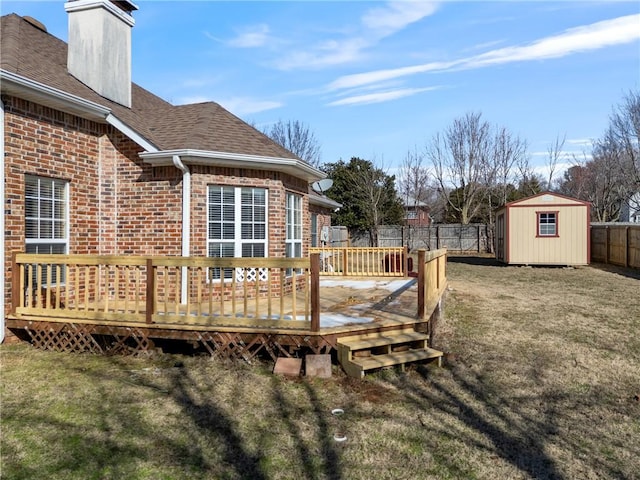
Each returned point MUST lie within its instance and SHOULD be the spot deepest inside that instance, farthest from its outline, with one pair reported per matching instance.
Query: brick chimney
(100, 46)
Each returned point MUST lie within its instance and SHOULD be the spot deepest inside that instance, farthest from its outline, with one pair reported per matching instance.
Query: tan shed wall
(570, 247)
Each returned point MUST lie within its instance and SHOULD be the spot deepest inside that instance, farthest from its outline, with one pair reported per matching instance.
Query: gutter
(16, 85)
(186, 220)
(293, 166)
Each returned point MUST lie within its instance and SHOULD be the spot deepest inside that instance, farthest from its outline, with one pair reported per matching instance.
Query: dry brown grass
(543, 366)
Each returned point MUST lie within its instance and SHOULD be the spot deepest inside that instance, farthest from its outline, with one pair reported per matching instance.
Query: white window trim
(293, 236)
(238, 241)
(44, 282)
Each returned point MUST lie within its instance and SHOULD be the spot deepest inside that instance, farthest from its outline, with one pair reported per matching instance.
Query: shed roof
(544, 198)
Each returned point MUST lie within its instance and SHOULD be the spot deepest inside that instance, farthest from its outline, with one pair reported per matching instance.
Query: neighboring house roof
(28, 53)
(412, 202)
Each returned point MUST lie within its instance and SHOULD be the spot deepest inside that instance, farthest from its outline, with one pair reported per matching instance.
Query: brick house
(416, 212)
(95, 164)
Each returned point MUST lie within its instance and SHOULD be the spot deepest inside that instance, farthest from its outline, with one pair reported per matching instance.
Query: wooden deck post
(315, 291)
(151, 291)
(16, 288)
(421, 283)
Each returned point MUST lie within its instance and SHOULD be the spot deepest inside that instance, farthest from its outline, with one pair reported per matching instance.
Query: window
(293, 241)
(237, 223)
(314, 229)
(547, 224)
(46, 219)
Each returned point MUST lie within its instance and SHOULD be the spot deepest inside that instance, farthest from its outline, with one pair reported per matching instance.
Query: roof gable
(547, 198)
(32, 53)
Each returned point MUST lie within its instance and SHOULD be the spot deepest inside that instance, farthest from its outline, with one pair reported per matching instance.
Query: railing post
(151, 291)
(345, 254)
(16, 287)
(315, 291)
(421, 283)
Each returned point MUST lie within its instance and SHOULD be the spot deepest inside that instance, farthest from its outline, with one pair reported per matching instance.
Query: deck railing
(165, 291)
(363, 261)
(432, 280)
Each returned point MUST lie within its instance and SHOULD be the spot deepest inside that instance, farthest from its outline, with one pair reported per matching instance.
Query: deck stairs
(360, 353)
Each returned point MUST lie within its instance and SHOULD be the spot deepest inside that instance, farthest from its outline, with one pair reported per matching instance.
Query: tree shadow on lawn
(624, 272)
(518, 430)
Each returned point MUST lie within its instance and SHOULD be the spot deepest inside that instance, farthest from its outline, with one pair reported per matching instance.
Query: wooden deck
(228, 307)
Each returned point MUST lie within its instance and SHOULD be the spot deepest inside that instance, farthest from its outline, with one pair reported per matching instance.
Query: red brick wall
(118, 204)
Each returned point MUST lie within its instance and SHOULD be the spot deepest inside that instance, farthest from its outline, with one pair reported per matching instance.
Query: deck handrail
(363, 261)
(271, 292)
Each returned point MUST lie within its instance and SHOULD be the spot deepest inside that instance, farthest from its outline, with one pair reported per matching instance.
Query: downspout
(4, 271)
(186, 221)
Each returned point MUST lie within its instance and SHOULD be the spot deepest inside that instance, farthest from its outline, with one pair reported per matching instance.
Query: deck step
(378, 341)
(368, 352)
(396, 358)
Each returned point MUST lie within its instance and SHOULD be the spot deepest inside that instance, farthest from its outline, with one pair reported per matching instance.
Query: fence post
(405, 261)
(606, 245)
(421, 283)
(151, 291)
(626, 247)
(315, 291)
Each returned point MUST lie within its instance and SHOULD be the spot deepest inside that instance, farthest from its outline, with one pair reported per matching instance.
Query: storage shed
(545, 229)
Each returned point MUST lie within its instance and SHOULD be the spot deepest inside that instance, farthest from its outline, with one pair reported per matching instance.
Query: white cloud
(598, 35)
(375, 24)
(397, 15)
(580, 39)
(244, 105)
(362, 79)
(379, 97)
(251, 37)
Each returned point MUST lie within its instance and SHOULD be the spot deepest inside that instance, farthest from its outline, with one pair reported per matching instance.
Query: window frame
(293, 226)
(59, 224)
(314, 230)
(239, 240)
(540, 216)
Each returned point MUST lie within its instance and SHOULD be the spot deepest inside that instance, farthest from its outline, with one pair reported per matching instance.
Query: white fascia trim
(203, 157)
(79, 5)
(118, 124)
(12, 83)
(324, 202)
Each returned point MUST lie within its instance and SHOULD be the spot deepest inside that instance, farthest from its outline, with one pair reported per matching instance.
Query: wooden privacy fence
(432, 280)
(165, 291)
(363, 261)
(618, 244)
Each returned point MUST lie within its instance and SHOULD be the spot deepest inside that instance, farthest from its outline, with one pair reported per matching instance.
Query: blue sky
(377, 79)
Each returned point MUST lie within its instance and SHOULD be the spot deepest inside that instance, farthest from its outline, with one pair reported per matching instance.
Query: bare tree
(555, 154)
(470, 160)
(460, 159)
(296, 137)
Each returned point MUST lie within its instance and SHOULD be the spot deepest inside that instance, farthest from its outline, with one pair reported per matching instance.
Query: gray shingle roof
(27, 51)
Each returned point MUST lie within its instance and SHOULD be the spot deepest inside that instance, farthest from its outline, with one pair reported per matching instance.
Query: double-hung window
(46, 219)
(293, 240)
(547, 224)
(237, 223)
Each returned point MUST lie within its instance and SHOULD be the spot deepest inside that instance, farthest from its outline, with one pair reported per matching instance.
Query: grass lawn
(541, 380)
